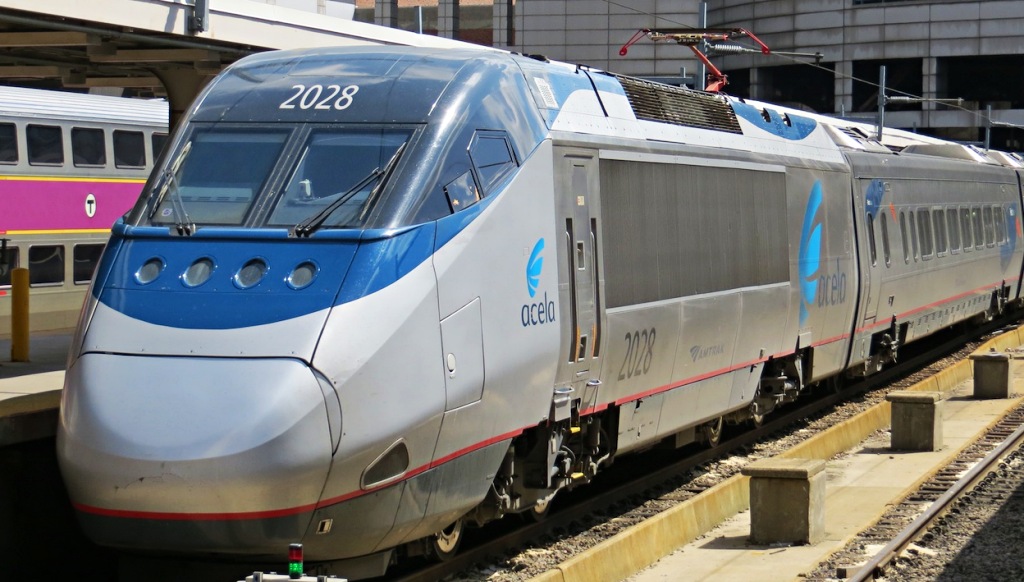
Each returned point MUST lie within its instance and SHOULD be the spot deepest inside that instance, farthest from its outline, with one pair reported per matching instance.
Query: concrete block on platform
(916, 420)
(991, 375)
(787, 500)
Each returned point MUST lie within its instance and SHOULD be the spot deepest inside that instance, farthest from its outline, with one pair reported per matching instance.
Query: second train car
(374, 295)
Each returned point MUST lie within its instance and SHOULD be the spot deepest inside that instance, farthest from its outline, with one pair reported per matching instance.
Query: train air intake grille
(679, 106)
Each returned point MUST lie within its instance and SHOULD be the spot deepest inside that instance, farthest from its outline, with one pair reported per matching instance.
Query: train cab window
(965, 228)
(45, 265)
(45, 145)
(924, 232)
(939, 224)
(129, 149)
(88, 147)
(999, 217)
(85, 257)
(883, 223)
(904, 237)
(462, 192)
(8, 262)
(159, 142)
(953, 227)
(990, 231)
(218, 174)
(492, 158)
(871, 240)
(979, 231)
(8, 143)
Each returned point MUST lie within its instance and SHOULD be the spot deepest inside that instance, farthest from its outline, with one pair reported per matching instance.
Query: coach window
(990, 232)
(129, 149)
(8, 262)
(46, 265)
(883, 223)
(939, 222)
(8, 143)
(159, 141)
(45, 145)
(924, 231)
(913, 235)
(999, 217)
(979, 231)
(903, 237)
(953, 226)
(87, 147)
(871, 240)
(965, 228)
(85, 258)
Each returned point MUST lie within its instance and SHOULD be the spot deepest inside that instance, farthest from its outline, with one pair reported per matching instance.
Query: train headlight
(150, 270)
(302, 275)
(199, 272)
(251, 273)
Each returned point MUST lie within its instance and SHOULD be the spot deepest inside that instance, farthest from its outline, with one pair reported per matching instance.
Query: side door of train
(577, 212)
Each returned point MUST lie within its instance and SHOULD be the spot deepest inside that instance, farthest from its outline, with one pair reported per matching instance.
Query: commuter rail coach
(374, 295)
(70, 165)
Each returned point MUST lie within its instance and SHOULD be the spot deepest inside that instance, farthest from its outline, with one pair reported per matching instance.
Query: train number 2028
(639, 353)
(320, 97)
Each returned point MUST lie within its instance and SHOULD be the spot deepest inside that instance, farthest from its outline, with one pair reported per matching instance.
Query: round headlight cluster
(248, 276)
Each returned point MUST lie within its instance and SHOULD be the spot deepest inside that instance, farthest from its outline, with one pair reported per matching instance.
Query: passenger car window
(999, 217)
(46, 265)
(924, 230)
(965, 228)
(159, 143)
(45, 144)
(86, 257)
(8, 262)
(953, 226)
(87, 147)
(129, 149)
(8, 143)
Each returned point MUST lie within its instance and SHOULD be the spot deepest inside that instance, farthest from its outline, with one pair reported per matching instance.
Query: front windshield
(337, 171)
(216, 176)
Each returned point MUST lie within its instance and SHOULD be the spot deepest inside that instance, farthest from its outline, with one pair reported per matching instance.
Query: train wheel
(539, 511)
(711, 432)
(445, 543)
(756, 415)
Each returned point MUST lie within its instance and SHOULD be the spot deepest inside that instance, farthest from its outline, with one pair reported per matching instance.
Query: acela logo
(543, 311)
(533, 268)
(810, 252)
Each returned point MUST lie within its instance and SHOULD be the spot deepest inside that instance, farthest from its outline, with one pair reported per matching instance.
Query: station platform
(30, 391)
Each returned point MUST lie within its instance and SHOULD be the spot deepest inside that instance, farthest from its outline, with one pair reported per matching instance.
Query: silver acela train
(373, 294)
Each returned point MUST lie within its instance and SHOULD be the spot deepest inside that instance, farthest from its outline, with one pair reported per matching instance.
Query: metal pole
(19, 315)
(988, 126)
(881, 102)
(702, 75)
(419, 19)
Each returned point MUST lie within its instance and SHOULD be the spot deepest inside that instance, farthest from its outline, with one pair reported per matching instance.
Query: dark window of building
(798, 86)
(45, 144)
(87, 147)
(903, 77)
(8, 143)
(46, 265)
(86, 257)
(129, 149)
(983, 80)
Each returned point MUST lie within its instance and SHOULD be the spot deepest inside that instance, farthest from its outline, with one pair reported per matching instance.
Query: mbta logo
(543, 311)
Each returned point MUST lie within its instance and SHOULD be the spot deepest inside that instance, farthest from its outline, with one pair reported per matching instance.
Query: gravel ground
(548, 553)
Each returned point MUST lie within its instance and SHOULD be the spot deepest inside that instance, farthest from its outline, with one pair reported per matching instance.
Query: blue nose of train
(233, 459)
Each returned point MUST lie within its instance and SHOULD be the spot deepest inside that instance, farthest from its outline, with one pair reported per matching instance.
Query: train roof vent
(854, 138)
(679, 106)
(952, 151)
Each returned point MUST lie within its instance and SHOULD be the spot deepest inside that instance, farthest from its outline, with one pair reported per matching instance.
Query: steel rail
(919, 526)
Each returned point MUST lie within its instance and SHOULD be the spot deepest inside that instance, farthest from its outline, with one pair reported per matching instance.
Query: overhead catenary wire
(979, 116)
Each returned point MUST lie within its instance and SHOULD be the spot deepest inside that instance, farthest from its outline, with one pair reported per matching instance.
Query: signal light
(295, 561)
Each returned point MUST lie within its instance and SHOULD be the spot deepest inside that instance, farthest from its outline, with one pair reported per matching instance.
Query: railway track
(634, 480)
(983, 470)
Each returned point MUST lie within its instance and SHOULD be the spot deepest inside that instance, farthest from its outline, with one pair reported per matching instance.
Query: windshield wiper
(182, 223)
(310, 225)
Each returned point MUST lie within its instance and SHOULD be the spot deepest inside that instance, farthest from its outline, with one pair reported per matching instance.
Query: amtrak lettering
(700, 352)
(542, 311)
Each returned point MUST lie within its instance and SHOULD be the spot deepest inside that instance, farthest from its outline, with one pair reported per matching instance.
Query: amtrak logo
(810, 253)
(534, 267)
(543, 310)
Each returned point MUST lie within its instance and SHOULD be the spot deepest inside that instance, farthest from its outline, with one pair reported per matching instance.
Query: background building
(937, 49)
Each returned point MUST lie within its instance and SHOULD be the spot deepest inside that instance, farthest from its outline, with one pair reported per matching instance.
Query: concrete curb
(633, 550)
